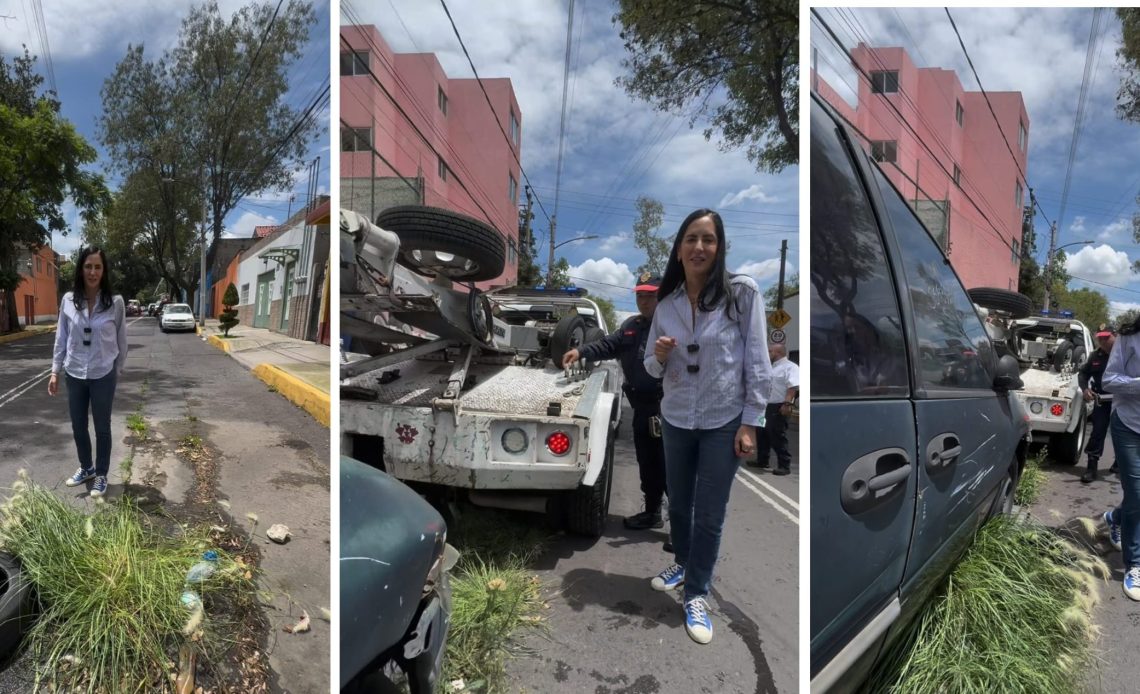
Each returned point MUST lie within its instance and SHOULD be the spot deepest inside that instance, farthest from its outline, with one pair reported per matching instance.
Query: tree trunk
(9, 313)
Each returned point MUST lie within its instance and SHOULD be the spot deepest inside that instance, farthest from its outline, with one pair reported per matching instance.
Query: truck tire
(570, 333)
(588, 507)
(1067, 447)
(1016, 305)
(429, 234)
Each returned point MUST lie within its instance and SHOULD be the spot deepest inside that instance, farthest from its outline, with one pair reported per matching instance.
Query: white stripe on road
(24, 387)
(767, 499)
(786, 499)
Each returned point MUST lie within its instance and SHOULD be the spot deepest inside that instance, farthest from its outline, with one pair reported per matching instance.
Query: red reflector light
(1057, 410)
(558, 443)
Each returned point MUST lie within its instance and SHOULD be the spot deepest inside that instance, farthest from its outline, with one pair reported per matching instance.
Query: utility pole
(202, 276)
(1049, 263)
(526, 248)
(550, 260)
(780, 286)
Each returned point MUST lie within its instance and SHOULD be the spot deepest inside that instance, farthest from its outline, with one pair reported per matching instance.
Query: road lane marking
(756, 478)
(771, 502)
(24, 387)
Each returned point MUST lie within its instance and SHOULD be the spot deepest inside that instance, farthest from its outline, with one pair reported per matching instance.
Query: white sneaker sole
(72, 483)
(658, 584)
(699, 634)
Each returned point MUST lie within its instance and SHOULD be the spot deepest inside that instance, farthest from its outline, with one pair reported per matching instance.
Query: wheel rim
(445, 264)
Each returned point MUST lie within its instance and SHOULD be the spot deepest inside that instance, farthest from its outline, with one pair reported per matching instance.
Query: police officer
(1089, 378)
(627, 343)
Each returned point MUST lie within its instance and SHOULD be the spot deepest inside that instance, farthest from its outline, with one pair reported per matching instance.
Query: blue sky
(86, 43)
(615, 150)
(1041, 53)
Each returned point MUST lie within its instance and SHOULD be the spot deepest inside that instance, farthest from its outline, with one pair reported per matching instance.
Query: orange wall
(40, 284)
(220, 286)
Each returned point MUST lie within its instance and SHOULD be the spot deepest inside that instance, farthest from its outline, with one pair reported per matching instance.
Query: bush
(229, 318)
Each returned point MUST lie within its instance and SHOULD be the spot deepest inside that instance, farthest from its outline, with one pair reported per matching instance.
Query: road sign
(778, 318)
(777, 336)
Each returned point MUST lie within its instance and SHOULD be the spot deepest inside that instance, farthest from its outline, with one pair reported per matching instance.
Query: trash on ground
(300, 626)
(278, 533)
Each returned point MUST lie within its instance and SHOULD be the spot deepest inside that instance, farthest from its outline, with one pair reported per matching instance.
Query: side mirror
(1008, 375)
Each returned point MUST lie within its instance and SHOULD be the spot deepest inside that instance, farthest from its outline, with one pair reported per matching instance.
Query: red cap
(647, 283)
(1104, 333)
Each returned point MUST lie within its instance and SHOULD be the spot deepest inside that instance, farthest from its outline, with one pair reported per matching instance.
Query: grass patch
(1014, 616)
(1032, 479)
(110, 585)
(126, 468)
(191, 441)
(494, 594)
(137, 423)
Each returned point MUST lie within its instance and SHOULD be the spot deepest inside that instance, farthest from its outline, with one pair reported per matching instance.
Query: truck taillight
(1057, 409)
(558, 443)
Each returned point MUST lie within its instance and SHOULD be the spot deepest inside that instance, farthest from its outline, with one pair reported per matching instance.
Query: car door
(966, 430)
(862, 420)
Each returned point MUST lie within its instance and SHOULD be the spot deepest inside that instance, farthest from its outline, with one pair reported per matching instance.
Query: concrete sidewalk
(28, 331)
(297, 369)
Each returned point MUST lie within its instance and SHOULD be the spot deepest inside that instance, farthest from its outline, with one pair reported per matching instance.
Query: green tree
(1128, 96)
(609, 311)
(560, 278)
(650, 215)
(683, 56)
(209, 118)
(1127, 318)
(791, 286)
(1088, 305)
(530, 273)
(229, 318)
(41, 156)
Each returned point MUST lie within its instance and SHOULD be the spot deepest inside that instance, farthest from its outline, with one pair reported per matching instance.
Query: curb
(12, 337)
(218, 342)
(312, 400)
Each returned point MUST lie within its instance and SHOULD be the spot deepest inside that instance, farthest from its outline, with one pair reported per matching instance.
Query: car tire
(424, 230)
(1067, 447)
(570, 333)
(17, 607)
(588, 507)
(1007, 492)
(1016, 305)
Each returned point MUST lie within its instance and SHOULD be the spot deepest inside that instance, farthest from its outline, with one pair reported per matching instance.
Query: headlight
(514, 441)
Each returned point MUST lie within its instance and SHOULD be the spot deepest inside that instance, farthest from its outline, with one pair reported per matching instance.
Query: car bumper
(178, 326)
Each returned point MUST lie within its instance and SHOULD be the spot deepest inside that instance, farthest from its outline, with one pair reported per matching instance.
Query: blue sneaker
(669, 579)
(100, 487)
(1132, 583)
(697, 622)
(79, 477)
(1113, 530)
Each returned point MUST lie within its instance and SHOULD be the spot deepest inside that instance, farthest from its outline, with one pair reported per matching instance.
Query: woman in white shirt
(90, 350)
(710, 347)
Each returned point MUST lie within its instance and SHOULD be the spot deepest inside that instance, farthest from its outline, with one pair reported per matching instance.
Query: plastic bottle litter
(203, 569)
(190, 600)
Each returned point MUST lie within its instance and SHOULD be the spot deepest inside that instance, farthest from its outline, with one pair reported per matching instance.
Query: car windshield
(178, 308)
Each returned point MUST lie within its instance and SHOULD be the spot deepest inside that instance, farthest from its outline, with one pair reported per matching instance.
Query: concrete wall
(40, 283)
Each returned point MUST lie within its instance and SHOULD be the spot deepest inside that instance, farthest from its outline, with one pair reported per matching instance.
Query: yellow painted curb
(218, 342)
(12, 337)
(311, 399)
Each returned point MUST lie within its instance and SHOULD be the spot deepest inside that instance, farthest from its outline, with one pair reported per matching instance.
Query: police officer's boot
(649, 518)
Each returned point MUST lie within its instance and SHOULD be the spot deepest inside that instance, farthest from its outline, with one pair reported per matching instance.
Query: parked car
(176, 317)
(134, 308)
(917, 434)
(394, 593)
(151, 309)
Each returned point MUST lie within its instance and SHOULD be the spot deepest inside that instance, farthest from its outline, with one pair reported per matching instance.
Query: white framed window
(959, 112)
(514, 128)
(885, 82)
(1022, 136)
(355, 139)
(244, 293)
(1018, 194)
(442, 169)
(441, 98)
(884, 150)
(512, 188)
(353, 63)
(957, 176)
(1015, 256)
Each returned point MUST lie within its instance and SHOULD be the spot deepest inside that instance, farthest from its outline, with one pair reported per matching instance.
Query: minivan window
(857, 348)
(953, 348)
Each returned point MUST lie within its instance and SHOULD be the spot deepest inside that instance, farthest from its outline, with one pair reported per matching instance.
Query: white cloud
(762, 271)
(1111, 231)
(752, 192)
(611, 243)
(1100, 263)
(605, 277)
(1115, 308)
(243, 227)
(1078, 225)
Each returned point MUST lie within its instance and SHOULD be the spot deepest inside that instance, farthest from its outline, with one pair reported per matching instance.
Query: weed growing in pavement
(137, 423)
(110, 585)
(1014, 616)
(272, 388)
(191, 441)
(1032, 479)
(126, 467)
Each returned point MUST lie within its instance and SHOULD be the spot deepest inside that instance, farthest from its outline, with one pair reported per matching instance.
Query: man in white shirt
(774, 435)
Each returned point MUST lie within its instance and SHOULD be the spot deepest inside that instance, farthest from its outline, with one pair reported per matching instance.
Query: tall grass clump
(109, 586)
(1015, 616)
(1032, 480)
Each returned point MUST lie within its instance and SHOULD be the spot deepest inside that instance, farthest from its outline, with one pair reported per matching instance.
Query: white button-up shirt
(735, 372)
(105, 329)
(785, 375)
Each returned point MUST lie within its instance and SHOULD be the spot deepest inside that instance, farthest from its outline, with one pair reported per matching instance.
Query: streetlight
(550, 265)
(1049, 267)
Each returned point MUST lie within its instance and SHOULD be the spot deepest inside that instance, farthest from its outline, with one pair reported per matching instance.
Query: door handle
(874, 479)
(942, 452)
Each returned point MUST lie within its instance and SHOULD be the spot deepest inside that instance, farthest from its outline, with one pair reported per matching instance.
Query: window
(244, 294)
(1015, 256)
(353, 63)
(1018, 193)
(511, 251)
(857, 347)
(514, 129)
(442, 170)
(957, 176)
(1022, 136)
(954, 350)
(355, 139)
(441, 98)
(884, 151)
(513, 188)
(959, 114)
(885, 82)
(39, 265)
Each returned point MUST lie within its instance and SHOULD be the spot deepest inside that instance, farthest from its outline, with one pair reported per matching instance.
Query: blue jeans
(700, 465)
(1126, 444)
(96, 396)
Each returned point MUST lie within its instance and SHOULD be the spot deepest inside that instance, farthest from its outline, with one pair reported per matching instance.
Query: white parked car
(176, 317)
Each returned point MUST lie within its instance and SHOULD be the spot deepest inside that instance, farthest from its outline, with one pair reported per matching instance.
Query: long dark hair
(718, 284)
(79, 288)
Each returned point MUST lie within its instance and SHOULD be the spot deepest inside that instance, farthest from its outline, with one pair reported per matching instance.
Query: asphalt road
(1063, 500)
(272, 462)
(610, 632)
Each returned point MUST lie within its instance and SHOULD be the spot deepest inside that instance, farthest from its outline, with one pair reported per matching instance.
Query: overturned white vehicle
(1051, 350)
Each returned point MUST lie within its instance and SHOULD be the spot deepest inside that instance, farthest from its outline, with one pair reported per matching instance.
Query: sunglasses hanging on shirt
(87, 337)
(692, 349)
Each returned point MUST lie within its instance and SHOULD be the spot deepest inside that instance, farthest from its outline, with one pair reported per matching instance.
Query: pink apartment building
(971, 161)
(437, 141)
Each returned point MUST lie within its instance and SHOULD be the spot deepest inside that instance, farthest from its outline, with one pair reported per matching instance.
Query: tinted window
(953, 349)
(857, 348)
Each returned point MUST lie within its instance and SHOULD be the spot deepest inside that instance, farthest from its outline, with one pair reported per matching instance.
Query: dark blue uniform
(627, 345)
(1090, 376)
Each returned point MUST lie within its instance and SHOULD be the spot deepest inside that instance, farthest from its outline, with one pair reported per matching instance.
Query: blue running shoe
(100, 487)
(670, 578)
(1132, 583)
(1113, 530)
(697, 622)
(79, 477)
